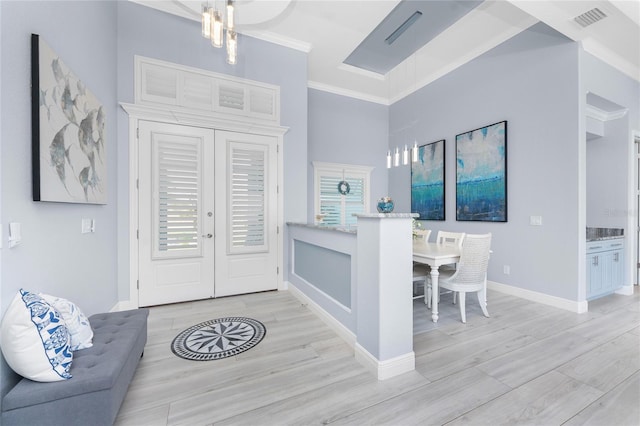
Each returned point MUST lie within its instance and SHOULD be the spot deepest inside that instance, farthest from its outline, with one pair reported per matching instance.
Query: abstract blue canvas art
(427, 182)
(481, 174)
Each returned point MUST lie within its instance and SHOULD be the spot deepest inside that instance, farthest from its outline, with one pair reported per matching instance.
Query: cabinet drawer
(605, 245)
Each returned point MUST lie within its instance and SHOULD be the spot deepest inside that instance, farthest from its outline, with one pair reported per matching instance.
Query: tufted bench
(101, 377)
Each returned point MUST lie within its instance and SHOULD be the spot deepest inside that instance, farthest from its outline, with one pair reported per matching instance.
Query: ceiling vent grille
(590, 17)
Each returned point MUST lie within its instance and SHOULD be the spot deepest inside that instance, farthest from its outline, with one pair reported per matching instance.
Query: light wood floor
(527, 364)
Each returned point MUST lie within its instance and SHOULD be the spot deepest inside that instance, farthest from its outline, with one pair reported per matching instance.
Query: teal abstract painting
(427, 182)
(481, 174)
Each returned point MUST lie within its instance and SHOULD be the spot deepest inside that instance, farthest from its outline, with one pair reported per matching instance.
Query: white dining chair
(471, 273)
(450, 239)
(420, 271)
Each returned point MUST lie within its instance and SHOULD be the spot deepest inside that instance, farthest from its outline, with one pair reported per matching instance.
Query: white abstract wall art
(68, 133)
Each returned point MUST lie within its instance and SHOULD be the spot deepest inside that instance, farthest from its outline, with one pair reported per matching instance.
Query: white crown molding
(338, 167)
(360, 71)
(199, 118)
(602, 115)
(348, 93)
(609, 57)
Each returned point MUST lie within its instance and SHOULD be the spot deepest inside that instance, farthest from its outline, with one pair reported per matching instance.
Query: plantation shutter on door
(248, 203)
(177, 180)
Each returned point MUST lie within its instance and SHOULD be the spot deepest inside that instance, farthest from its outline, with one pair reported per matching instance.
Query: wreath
(343, 187)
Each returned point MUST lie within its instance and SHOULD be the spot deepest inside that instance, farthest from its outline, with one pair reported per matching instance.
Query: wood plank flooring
(526, 364)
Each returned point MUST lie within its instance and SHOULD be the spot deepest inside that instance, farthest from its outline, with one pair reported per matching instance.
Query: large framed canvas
(69, 158)
(427, 182)
(481, 174)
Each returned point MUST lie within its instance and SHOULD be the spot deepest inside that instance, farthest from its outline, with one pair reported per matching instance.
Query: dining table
(434, 255)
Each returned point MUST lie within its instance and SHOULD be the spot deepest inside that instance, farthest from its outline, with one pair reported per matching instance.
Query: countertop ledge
(387, 215)
(342, 228)
(615, 237)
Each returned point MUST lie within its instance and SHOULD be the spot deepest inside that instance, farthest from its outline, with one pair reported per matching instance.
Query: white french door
(207, 213)
(176, 225)
(245, 213)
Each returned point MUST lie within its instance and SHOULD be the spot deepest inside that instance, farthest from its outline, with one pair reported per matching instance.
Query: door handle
(208, 236)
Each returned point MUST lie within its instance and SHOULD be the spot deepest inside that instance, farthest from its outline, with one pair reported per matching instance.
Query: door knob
(208, 236)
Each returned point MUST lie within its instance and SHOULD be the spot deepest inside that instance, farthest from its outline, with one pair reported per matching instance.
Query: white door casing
(257, 111)
(246, 213)
(176, 248)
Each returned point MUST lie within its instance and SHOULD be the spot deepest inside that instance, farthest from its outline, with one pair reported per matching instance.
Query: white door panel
(176, 255)
(246, 213)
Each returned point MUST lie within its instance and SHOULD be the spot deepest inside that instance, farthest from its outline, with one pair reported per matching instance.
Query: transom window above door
(340, 191)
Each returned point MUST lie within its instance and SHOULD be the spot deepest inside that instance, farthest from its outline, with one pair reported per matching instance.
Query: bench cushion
(101, 377)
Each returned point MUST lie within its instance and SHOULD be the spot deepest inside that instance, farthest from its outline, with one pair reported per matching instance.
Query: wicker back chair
(471, 272)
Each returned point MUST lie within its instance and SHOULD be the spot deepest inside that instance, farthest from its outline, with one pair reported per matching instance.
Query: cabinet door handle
(616, 257)
(595, 261)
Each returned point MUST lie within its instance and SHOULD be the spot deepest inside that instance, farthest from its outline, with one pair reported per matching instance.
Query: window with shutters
(248, 204)
(177, 177)
(341, 190)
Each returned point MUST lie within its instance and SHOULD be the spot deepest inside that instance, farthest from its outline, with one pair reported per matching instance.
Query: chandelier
(217, 22)
(405, 156)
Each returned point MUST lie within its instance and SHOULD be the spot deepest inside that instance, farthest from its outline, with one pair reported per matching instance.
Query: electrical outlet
(506, 269)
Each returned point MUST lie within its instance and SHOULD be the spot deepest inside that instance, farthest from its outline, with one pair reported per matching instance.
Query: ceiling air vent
(403, 27)
(590, 17)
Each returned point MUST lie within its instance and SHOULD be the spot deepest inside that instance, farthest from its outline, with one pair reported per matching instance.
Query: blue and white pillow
(77, 323)
(35, 341)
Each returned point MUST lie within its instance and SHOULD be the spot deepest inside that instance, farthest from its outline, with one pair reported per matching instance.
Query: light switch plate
(535, 220)
(15, 234)
(87, 226)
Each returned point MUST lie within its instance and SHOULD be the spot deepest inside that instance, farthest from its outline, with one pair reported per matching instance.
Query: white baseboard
(342, 331)
(534, 296)
(123, 305)
(381, 369)
(385, 369)
(626, 290)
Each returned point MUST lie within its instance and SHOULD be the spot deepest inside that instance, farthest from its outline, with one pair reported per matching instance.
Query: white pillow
(35, 339)
(77, 323)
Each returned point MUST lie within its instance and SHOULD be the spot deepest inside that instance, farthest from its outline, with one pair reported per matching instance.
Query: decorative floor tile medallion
(218, 338)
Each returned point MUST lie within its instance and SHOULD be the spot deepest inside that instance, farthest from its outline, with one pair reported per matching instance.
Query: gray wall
(349, 131)
(607, 176)
(610, 182)
(54, 256)
(530, 81)
(608, 158)
(148, 32)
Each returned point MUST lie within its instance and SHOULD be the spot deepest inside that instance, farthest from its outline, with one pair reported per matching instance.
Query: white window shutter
(337, 208)
(247, 198)
(330, 199)
(159, 84)
(177, 198)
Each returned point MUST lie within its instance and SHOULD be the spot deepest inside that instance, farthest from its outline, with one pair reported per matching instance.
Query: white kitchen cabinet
(605, 267)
